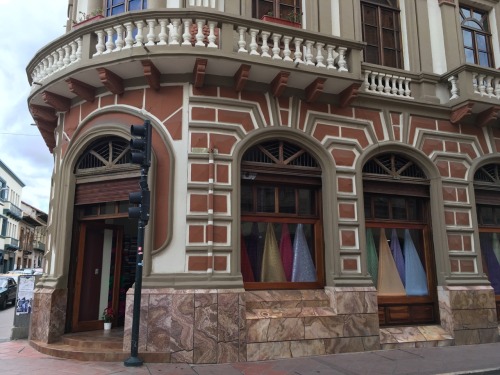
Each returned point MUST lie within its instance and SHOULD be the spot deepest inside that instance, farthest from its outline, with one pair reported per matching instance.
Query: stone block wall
(48, 315)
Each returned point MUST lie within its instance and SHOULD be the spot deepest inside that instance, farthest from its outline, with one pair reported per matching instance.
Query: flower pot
(281, 21)
(107, 326)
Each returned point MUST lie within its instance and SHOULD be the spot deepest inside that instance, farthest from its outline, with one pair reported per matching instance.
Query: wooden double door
(99, 274)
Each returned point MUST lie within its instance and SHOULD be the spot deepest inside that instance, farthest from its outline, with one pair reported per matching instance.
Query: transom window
(382, 32)
(114, 7)
(476, 35)
(104, 154)
(398, 240)
(487, 192)
(284, 9)
(281, 232)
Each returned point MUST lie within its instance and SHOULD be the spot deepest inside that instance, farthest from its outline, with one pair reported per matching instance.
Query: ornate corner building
(325, 175)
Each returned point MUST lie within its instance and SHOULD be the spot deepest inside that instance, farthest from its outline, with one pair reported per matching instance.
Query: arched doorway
(400, 256)
(102, 264)
(281, 226)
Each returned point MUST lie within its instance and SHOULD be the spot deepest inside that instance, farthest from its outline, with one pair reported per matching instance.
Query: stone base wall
(469, 313)
(48, 316)
(194, 326)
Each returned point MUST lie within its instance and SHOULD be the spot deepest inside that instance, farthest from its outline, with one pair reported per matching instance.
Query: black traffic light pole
(141, 154)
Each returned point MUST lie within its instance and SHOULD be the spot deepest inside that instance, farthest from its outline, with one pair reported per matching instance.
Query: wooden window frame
(294, 15)
(381, 6)
(482, 30)
(109, 6)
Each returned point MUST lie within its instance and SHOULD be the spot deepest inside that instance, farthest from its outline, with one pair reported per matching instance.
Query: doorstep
(414, 337)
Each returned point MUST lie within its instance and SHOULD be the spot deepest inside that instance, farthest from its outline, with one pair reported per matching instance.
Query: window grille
(393, 165)
(105, 154)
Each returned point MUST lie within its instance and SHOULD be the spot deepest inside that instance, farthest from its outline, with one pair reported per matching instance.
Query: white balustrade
(486, 85)
(57, 60)
(387, 84)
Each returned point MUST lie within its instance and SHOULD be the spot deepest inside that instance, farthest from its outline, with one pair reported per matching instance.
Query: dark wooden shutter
(105, 191)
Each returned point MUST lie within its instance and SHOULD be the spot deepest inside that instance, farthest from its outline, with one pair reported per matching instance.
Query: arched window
(487, 191)
(398, 240)
(281, 231)
(104, 154)
(476, 35)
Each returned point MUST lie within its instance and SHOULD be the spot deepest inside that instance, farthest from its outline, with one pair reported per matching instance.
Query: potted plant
(84, 18)
(108, 316)
(293, 19)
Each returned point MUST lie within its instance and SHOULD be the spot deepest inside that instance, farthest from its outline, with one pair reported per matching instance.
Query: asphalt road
(6, 322)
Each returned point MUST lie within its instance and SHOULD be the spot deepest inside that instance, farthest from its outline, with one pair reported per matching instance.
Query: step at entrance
(414, 337)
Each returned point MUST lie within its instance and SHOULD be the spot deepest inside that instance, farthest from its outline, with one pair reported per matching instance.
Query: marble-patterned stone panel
(304, 348)
(228, 352)
(263, 351)
(143, 322)
(434, 333)
(371, 343)
(127, 328)
(40, 316)
(445, 312)
(467, 337)
(323, 327)
(228, 317)
(473, 299)
(205, 328)
(361, 325)
(159, 323)
(285, 329)
(405, 334)
(257, 330)
(473, 319)
(344, 345)
(182, 356)
(488, 335)
(181, 335)
(352, 300)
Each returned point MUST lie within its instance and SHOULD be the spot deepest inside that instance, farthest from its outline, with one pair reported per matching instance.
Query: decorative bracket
(488, 117)
(82, 89)
(315, 89)
(279, 83)
(199, 72)
(349, 94)
(241, 77)
(42, 113)
(461, 113)
(59, 102)
(152, 74)
(111, 81)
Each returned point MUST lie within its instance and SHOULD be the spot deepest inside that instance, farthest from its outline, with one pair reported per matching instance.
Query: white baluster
(319, 55)
(60, 62)
(119, 38)
(174, 33)
(286, 51)
(497, 88)
(475, 83)
(50, 61)
(298, 51)
(253, 42)
(55, 61)
(401, 90)
(199, 34)
(407, 87)
(67, 54)
(309, 55)
(394, 85)
(373, 85)
(242, 43)
(211, 35)
(186, 37)
(45, 70)
(139, 37)
(276, 46)
(151, 32)
(387, 87)
(366, 82)
(380, 85)
(79, 52)
(109, 43)
(129, 39)
(100, 47)
(482, 87)
(265, 46)
(342, 63)
(163, 36)
(73, 46)
(489, 86)
(330, 60)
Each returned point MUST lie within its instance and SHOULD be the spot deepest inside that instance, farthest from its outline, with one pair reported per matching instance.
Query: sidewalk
(18, 358)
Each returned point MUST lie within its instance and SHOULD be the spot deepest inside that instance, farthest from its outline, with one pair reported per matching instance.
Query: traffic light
(141, 147)
(141, 200)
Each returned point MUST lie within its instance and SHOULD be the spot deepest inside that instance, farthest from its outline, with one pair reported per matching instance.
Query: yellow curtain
(272, 268)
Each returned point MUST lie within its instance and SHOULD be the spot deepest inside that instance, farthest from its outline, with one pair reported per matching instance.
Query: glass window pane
(306, 202)
(381, 208)
(371, 36)
(287, 200)
(90, 210)
(388, 20)
(413, 210)
(486, 215)
(466, 12)
(369, 15)
(497, 215)
(246, 199)
(484, 59)
(389, 40)
(472, 25)
(123, 207)
(371, 55)
(467, 38)
(398, 208)
(368, 208)
(481, 42)
(265, 199)
(390, 58)
(469, 56)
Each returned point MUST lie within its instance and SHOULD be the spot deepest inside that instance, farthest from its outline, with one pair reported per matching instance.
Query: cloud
(22, 148)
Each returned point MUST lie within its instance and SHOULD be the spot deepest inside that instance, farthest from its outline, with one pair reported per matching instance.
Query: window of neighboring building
(382, 32)
(281, 231)
(487, 192)
(4, 191)
(399, 252)
(476, 35)
(285, 9)
(4, 227)
(114, 7)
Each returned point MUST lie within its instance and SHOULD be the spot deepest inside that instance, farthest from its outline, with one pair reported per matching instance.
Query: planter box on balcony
(88, 20)
(281, 21)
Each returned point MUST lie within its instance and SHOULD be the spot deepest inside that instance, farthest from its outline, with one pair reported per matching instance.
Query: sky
(26, 27)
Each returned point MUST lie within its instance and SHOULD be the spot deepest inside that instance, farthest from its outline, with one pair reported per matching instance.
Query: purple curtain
(486, 240)
(286, 251)
(255, 246)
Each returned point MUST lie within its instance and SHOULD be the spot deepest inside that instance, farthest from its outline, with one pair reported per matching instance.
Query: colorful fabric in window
(398, 255)
(371, 255)
(303, 266)
(246, 266)
(286, 251)
(416, 279)
(389, 281)
(254, 250)
(272, 268)
(496, 246)
(491, 262)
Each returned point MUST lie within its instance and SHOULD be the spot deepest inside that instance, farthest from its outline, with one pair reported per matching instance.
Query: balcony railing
(38, 245)
(12, 210)
(11, 243)
(153, 33)
(474, 83)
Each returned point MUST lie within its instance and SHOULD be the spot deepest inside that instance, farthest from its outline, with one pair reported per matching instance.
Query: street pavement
(6, 323)
(18, 358)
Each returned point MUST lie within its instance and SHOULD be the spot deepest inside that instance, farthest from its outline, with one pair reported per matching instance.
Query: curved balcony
(10, 209)
(174, 41)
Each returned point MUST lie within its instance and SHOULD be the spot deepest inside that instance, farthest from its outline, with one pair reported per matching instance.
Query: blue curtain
(416, 279)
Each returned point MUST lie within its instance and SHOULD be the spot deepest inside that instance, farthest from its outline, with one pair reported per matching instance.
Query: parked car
(8, 291)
